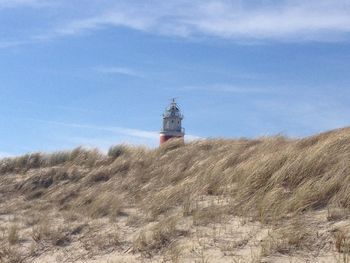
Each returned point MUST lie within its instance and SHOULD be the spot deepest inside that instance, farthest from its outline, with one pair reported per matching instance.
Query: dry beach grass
(270, 199)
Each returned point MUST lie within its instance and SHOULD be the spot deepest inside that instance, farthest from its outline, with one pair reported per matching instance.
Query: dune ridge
(270, 199)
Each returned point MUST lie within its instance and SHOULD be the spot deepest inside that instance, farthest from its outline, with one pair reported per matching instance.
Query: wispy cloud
(225, 88)
(119, 71)
(119, 135)
(125, 18)
(5, 154)
(239, 21)
(114, 129)
(24, 3)
(10, 44)
(297, 20)
(74, 109)
(190, 138)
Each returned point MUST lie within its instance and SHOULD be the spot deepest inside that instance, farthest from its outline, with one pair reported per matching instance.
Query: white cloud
(291, 20)
(226, 88)
(297, 20)
(5, 154)
(119, 71)
(190, 138)
(10, 44)
(240, 21)
(117, 18)
(74, 109)
(24, 3)
(119, 135)
(114, 129)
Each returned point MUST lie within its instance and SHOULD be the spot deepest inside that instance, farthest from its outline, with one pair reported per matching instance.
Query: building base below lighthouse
(164, 137)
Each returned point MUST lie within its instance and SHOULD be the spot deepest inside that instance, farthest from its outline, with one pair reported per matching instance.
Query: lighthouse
(172, 119)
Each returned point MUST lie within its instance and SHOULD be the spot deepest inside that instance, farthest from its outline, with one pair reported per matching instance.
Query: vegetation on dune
(266, 179)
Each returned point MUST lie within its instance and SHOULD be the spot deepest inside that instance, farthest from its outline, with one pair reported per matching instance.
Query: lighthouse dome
(172, 110)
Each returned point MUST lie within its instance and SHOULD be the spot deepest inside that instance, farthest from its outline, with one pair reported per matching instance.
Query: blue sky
(100, 72)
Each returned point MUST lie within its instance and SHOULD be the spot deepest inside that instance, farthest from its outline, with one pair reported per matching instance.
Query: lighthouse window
(172, 121)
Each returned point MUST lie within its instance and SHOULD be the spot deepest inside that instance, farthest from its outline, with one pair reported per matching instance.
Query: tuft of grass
(13, 235)
(159, 236)
(116, 151)
(10, 254)
(342, 242)
(46, 231)
(104, 204)
(336, 213)
(207, 215)
(175, 252)
(294, 237)
(171, 145)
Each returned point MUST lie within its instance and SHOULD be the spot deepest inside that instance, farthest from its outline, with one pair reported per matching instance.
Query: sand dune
(270, 199)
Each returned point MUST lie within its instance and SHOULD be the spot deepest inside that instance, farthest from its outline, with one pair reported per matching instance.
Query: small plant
(140, 243)
(171, 145)
(342, 246)
(10, 254)
(134, 220)
(57, 158)
(292, 238)
(342, 242)
(270, 244)
(103, 205)
(33, 249)
(207, 215)
(13, 236)
(187, 206)
(160, 235)
(202, 257)
(175, 253)
(336, 213)
(110, 240)
(116, 151)
(41, 231)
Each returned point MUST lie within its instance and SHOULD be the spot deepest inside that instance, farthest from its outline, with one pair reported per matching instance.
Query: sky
(98, 73)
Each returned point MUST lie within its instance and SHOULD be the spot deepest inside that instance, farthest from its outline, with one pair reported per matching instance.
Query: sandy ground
(233, 239)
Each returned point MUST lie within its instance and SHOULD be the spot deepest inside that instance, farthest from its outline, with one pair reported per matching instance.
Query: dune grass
(266, 179)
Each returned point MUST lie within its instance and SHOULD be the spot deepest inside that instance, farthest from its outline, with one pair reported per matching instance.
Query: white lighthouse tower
(172, 119)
